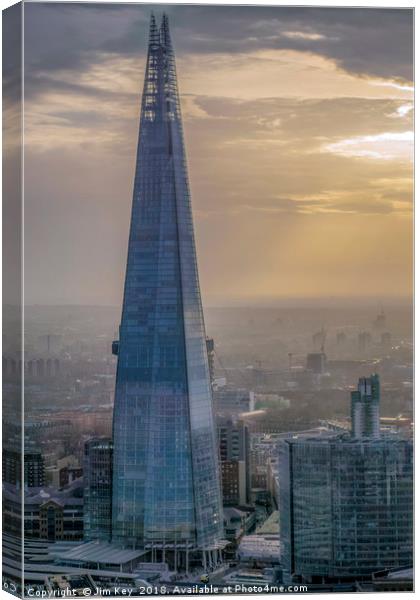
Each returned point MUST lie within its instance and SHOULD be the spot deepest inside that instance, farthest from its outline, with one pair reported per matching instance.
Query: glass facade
(166, 487)
(365, 408)
(346, 506)
(97, 474)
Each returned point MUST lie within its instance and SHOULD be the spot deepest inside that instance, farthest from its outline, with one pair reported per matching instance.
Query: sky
(298, 128)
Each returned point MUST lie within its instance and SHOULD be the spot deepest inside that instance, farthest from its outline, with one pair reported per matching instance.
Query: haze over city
(298, 127)
(260, 441)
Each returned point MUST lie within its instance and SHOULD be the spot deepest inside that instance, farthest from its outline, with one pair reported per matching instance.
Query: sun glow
(384, 146)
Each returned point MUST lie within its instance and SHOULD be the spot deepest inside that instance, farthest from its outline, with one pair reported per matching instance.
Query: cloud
(303, 35)
(260, 108)
(377, 42)
(383, 146)
(404, 109)
(356, 202)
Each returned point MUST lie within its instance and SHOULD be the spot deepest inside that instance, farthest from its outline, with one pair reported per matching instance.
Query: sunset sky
(298, 127)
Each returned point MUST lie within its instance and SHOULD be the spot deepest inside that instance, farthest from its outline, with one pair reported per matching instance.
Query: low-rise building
(49, 514)
(230, 401)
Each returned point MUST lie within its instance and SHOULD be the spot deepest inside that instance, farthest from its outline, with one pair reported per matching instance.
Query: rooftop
(271, 526)
(230, 512)
(100, 553)
(39, 495)
(346, 438)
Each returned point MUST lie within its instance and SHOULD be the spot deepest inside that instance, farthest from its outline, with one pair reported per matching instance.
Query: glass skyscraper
(346, 507)
(365, 408)
(97, 475)
(166, 489)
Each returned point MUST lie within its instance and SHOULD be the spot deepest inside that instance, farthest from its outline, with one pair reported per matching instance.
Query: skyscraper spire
(154, 39)
(166, 489)
(165, 38)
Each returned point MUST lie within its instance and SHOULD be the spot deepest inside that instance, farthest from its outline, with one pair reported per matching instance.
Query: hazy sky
(298, 126)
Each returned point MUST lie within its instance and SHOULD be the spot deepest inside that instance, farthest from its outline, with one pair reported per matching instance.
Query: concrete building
(234, 461)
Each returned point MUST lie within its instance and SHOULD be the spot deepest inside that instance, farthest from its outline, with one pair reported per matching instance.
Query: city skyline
(298, 140)
(265, 443)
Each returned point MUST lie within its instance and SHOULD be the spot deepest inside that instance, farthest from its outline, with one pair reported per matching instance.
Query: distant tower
(166, 484)
(365, 408)
(379, 323)
(319, 339)
(341, 338)
(386, 339)
(316, 362)
(364, 340)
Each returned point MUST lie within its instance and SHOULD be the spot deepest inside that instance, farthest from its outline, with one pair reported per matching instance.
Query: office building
(316, 362)
(346, 502)
(166, 484)
(234, 461)
(97, 470)
(50, 514)
(231, 401)
(33, 468)
(365, 408)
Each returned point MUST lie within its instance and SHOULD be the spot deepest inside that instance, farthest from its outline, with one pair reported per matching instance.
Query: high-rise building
(380, 321)
(365, 408)
(364, 340)
(33, 467)
(318, 339)
(386, 339)
(234, 461)
(97, 475)
(346, 504)
(316, 362)
(166, 487)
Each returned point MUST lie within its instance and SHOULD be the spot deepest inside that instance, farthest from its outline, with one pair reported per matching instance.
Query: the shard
(166, 488)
